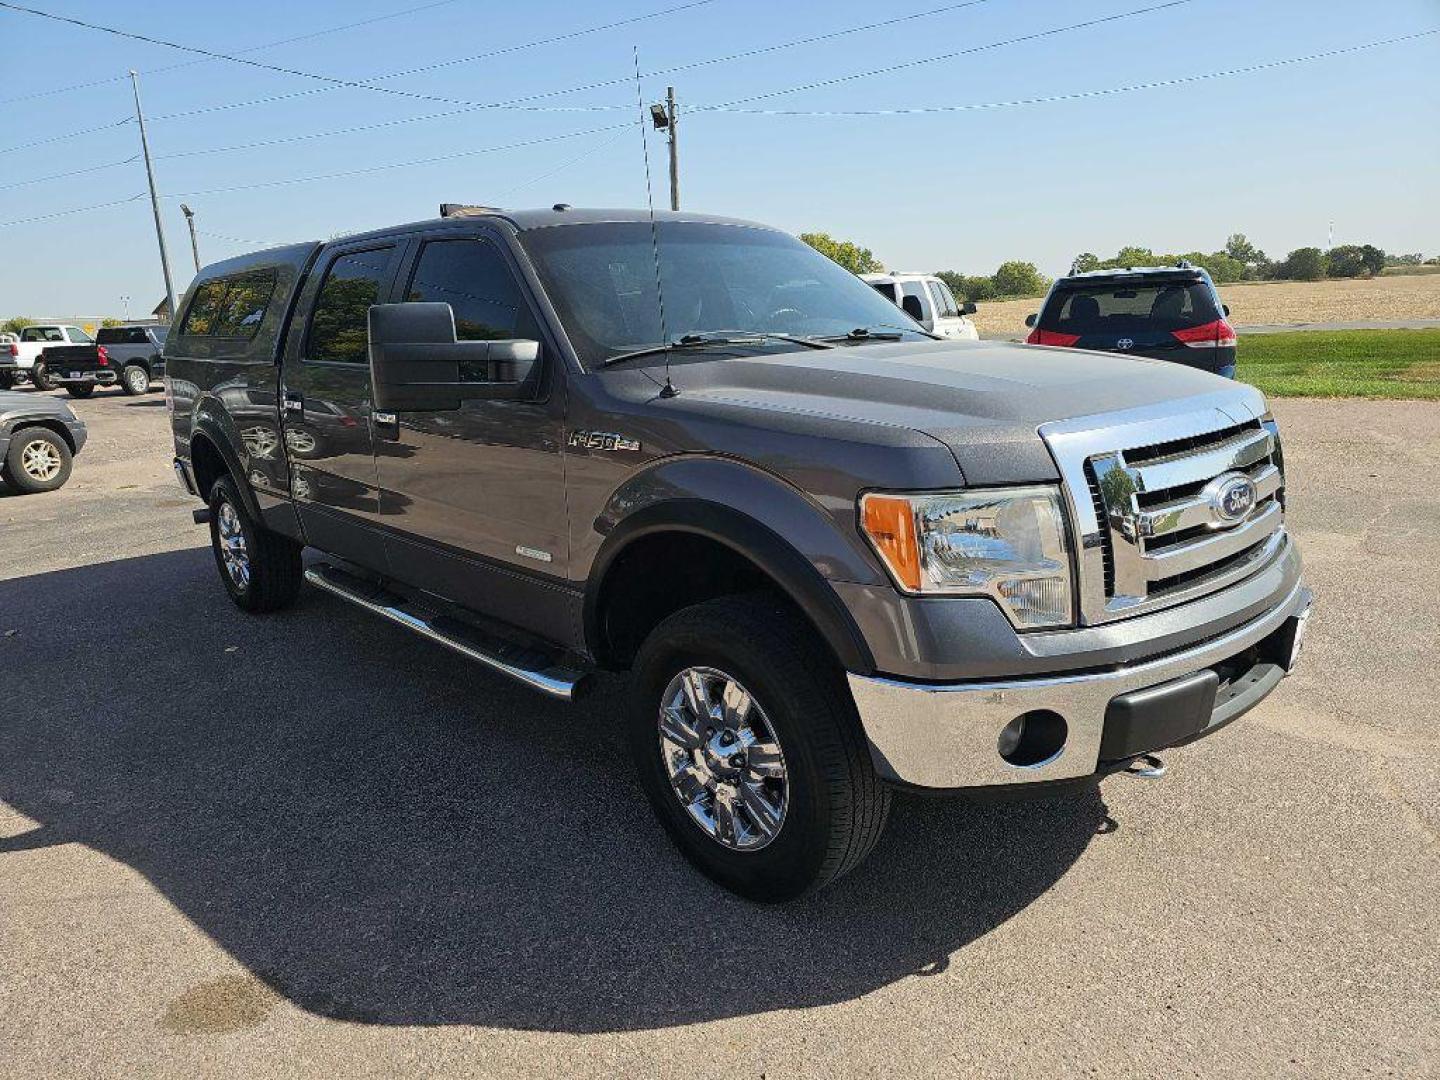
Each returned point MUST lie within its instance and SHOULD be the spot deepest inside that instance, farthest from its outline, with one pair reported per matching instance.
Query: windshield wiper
(865, 333)
(722, 337)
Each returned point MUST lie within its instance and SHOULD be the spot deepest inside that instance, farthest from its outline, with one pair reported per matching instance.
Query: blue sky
(1276, 154)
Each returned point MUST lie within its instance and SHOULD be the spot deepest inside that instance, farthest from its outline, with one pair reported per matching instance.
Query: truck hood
(983, 400)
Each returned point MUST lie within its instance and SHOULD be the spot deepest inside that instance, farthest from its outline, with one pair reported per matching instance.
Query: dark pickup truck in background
(128, 356)
(836, 555)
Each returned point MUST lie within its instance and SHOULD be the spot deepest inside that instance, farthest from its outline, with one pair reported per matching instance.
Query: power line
(73, 210)
(72, 172)
(254, 48)
(68, 135)
(329, 80)
(254, 244)
(621, 129)
(1075, 95)
(397, 164)
(526, 101)
(906, 64)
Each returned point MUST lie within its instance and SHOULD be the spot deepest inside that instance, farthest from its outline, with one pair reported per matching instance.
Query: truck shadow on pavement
(386, 835)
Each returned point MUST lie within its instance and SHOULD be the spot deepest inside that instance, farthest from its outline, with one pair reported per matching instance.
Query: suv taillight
(14, 349)
(1212, 335)
(102, 356)
(1050, 337)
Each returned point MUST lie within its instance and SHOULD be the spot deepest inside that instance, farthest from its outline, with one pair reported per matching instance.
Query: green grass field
(1343, 363)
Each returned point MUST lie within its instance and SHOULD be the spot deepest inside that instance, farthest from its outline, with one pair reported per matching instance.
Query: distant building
(161, 311)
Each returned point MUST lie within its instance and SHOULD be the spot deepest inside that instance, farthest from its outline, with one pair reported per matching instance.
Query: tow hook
(1145, 767)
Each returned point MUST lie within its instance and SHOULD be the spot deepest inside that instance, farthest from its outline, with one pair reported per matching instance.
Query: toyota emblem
(1125, 343)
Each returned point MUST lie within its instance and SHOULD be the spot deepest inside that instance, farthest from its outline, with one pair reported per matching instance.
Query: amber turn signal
(889, 522)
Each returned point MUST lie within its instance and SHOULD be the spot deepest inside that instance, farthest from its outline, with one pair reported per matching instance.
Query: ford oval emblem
(1231, 497)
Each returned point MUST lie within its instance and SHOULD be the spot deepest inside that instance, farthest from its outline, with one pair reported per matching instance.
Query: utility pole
(154, 198)
(674, 150)
(194, 246)
(663, 117)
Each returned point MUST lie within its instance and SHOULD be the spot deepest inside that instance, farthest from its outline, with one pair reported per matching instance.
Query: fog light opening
(1033, 738)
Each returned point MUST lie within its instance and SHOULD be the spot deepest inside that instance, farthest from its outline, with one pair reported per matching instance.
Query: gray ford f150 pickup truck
(836, 555)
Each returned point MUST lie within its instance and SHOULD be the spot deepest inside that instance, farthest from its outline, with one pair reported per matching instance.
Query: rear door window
(1121, 307)
(340, 324)
(944, 306)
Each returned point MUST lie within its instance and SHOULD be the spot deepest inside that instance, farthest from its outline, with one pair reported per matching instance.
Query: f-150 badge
(603, 440)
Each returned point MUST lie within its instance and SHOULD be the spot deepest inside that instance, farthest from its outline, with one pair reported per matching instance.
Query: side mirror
(415, 360)
(968, 308)
(1031, 319)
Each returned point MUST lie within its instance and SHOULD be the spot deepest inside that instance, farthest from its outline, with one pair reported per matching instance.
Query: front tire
(38, 460)
(135, 380)
(260, 569)
(749, 747)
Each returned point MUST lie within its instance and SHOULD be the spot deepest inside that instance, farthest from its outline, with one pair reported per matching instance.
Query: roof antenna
(668, 390)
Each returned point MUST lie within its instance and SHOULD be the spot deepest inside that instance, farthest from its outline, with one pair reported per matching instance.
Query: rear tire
(833, 808)
(38, 460)
(260, 569)
(83, 390)
(39, 377)
(135, 380)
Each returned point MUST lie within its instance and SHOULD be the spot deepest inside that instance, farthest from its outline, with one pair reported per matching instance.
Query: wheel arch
(689, 525)
(48, 424)
(212, 456)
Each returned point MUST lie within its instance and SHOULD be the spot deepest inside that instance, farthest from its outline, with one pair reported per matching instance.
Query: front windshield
(716, 279)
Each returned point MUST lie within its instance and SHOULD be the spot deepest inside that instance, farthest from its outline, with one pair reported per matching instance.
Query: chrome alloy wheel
(723, 759)
(137, 380)
(232, 546)
(41, 461)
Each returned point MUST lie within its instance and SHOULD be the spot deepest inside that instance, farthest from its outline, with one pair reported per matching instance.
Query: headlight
(1005, 543)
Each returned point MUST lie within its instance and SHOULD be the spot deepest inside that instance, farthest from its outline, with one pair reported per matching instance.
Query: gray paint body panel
(779, 445)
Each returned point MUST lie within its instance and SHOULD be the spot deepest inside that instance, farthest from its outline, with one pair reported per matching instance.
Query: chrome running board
(535, 668)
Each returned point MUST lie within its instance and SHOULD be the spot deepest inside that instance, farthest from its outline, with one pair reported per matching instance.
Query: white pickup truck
(927, 300)
(17, 358)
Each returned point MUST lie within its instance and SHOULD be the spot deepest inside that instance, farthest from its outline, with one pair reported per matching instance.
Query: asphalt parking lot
(309, 844)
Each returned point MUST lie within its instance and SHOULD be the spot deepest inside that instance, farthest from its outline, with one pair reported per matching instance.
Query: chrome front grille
(1169, 507)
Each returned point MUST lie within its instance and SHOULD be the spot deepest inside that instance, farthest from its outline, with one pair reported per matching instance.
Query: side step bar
(536, 669)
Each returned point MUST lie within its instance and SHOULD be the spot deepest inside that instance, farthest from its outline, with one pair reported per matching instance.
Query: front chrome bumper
(946, 735)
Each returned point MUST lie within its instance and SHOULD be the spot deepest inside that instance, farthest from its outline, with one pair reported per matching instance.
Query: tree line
(1238, 260)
